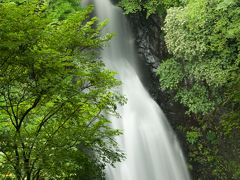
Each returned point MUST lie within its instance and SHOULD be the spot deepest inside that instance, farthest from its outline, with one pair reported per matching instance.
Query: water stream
(151, 147)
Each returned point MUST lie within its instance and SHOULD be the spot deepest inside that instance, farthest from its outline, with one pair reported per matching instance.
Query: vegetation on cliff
(202, 73)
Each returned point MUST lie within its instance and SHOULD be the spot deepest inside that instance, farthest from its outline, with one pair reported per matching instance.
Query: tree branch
(37, 100)
(11, 106)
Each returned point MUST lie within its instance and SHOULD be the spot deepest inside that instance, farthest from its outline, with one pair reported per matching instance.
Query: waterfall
(152, 150)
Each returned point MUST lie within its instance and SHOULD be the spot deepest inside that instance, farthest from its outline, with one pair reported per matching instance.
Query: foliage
(55, 95)
(175, 74)
(150, 6)
(193, 135)
(213, 150)
(203, 74)
(202, 46)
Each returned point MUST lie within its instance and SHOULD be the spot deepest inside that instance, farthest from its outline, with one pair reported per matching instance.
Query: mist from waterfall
(151, 147)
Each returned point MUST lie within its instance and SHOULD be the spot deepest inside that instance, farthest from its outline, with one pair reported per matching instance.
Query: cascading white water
(152, 150)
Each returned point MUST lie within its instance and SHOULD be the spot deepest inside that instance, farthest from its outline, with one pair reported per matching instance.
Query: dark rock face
(149, 38)
(115, 1)
(151, 49)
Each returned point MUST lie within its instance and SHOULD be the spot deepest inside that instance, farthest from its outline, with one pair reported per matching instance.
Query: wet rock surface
(149, 38)
(151, 49)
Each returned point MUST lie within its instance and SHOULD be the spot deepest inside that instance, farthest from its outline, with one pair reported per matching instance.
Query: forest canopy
(55, 93)
(203, 38)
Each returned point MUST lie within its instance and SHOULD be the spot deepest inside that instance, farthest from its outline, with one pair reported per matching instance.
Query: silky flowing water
(151, 147)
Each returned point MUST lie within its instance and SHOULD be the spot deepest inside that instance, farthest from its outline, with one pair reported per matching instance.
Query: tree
(205, 49)
(55, 94)
(203, 74)
(149, 6)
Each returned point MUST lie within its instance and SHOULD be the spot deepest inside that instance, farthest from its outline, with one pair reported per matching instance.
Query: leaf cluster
(55, 94)
(148, 6)
(205, 45)
(203, 75)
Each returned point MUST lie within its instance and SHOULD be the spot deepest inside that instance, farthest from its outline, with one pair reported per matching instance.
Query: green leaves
(195, 99)
(131, 6)
(204, 45)
(148, 6)
(170, 74)
(55, 94)
(193, 136)
(203, 75)
(183, 43)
